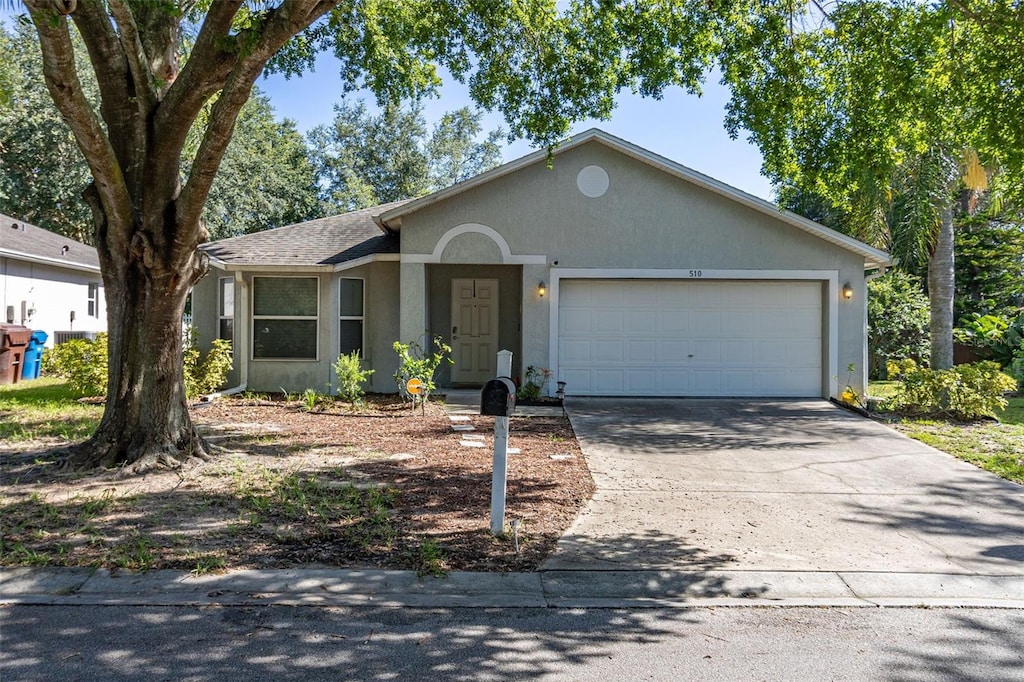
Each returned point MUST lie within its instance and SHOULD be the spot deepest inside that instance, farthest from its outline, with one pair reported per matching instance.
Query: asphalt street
(253, 643)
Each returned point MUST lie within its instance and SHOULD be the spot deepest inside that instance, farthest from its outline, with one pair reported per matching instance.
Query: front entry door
(474, 330)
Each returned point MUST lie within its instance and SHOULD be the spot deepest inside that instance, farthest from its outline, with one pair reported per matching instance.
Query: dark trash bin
(13, 340)
(33, 363)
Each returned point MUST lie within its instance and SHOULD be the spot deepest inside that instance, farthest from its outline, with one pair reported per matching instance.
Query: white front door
(474, 330)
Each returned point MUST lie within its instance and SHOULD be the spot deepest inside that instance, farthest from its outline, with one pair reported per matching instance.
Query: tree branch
(283, 23)
(66, 90)
(123, 100)
(134, 54)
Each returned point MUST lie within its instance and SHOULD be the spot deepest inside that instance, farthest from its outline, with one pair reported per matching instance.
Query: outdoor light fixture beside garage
(847, 291)
(542, 289)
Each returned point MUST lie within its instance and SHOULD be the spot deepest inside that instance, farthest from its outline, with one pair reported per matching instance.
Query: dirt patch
(378, 487)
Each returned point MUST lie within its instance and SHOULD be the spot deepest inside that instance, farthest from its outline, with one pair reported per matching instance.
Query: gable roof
(873, 258)
(321, 243)
(27, 242)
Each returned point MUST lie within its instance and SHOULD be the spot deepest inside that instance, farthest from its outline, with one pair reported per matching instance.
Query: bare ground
(378, 487)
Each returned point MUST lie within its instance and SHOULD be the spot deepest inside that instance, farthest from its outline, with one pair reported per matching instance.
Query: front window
(351, 315)
(284, 320)
(226, 309)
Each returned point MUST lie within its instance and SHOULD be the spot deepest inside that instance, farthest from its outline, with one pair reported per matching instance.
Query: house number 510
(696, 274)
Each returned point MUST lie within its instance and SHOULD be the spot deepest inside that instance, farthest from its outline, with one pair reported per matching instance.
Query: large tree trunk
(146, 422)
(941, 288)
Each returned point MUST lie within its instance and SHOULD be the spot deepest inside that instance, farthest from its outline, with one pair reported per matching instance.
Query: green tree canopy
(365, 159)
(42, 171)
(888, 109)
(989, 267)
(266, 179)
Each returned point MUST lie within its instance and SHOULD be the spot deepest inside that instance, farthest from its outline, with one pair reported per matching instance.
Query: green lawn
(44, 409)
(997, 447)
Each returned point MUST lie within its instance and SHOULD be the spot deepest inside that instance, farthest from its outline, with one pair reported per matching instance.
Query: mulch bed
(439, 492)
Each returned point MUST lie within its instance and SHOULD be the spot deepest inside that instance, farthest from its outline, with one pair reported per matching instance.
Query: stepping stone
(458, 417)
(514, 451)
(474, 436)
(561, 457)
(472, 443)
(463, 427)
(400, 456)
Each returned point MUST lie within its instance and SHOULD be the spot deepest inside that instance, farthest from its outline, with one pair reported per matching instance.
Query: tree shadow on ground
(675, 425)
(977, 650)
(280, 643)
(980, 508)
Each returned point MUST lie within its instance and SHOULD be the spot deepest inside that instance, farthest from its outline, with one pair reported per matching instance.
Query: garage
(671, 337)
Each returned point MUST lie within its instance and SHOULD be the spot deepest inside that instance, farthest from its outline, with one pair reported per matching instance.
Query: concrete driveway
(742, 485)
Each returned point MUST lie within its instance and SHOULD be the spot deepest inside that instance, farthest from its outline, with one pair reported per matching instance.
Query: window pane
(227, 297)
(351, 336)
(351, 297)
(227, 329)
(292, 296)
(291, 339)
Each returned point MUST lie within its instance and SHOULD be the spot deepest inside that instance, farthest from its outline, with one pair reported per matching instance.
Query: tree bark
(147, 226)
(146, 422)
(941, 288)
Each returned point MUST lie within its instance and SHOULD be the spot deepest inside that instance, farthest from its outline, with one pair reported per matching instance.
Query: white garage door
(690, 338)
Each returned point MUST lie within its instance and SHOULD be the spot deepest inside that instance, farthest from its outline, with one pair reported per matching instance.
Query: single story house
(49, 282)
(622, 272)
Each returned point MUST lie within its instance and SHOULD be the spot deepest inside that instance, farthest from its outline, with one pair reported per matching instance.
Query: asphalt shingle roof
(324, 241)
(20, 237)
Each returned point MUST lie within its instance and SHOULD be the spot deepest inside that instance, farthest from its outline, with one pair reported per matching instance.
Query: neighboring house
(49, 282)
(621, 271)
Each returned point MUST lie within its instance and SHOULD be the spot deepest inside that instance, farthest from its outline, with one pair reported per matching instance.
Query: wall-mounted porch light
(542, 289)
(847, 291)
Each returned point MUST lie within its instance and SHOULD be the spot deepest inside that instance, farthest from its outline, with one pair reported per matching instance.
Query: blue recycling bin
(32, 362)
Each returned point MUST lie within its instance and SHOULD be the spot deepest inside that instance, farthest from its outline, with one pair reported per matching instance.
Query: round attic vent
(592, 181)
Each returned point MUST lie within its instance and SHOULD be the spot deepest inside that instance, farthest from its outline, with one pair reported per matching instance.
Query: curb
(545, 589)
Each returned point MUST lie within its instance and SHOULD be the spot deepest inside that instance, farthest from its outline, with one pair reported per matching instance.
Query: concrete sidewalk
(562, 589)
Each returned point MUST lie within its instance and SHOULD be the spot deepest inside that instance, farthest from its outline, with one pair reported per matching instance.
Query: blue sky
(681, 127)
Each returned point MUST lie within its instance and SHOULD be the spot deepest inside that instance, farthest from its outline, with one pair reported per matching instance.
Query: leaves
(365, 159)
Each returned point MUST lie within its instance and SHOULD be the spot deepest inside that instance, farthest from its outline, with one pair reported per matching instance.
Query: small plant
(310, 399)
(205, 563)
(963, 392)
(351, 377)
(414, 363)
(429, 559)
(534, 381)
(849, 395)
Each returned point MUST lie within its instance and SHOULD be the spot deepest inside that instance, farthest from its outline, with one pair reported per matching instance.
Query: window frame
(353, 318)
(253, 317)
(221, 316)
(93, 300)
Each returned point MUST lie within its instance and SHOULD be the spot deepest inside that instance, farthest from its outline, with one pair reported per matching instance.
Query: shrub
(414, 363)
(897, 321)
(963, 392)
(210, 374)
(83, 363)
(897, 369)
(351, 377)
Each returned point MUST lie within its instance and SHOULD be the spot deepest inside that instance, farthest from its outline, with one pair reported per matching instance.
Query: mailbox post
(498, 398)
